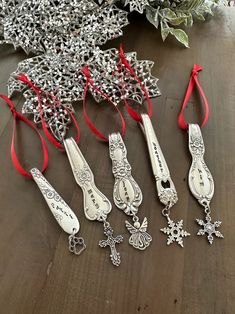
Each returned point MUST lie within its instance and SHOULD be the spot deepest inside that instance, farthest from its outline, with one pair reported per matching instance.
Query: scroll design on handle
(61, 211)
(200, 179)
(166, 189)
(96, 204)
(127, 194)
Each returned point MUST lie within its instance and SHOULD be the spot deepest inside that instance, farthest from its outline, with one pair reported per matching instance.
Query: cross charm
(111, 242)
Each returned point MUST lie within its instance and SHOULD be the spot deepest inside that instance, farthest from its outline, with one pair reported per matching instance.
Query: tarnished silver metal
(165, 186)
(201, 182)
(166, 189)
(127, 194)
(61, 211)
(111, 242)
(96, 204)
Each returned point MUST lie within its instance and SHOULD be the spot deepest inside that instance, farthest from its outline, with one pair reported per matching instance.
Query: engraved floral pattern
(197, 145)
(83, 175)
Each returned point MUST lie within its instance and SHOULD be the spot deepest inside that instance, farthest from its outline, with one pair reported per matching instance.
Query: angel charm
(127, 194)
(139, 238)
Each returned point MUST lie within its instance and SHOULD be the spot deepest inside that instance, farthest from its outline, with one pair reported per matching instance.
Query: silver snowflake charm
(175, 232)
(209, 228)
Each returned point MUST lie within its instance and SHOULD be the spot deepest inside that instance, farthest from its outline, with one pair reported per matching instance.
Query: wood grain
(37, 273)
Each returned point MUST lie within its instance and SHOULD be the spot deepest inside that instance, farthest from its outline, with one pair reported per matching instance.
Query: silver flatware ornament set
(115, 77)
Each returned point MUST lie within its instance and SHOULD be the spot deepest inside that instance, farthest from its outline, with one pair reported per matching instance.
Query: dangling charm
(96, 205)
(201, 182)
(209, 228)
(75, 242)
(166, 190)
(61, 211)
(127, 194)
(139, 238)
(165, 186)
(174, 230)
(111, 242)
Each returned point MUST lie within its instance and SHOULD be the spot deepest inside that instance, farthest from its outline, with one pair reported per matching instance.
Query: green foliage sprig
(170, 16)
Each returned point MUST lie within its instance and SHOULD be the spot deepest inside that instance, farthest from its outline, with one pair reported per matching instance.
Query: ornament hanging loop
(94, 130)
(166, 210)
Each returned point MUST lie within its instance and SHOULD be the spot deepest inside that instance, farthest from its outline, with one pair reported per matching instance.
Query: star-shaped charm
(209, 228)
(175, 232)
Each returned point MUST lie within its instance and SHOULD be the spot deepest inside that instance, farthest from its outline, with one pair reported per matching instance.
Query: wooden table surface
(39, 275)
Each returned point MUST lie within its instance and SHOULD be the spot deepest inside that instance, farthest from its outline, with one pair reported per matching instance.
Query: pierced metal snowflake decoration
(175, 232)
(209, 228)
(60, 74)
(105, 71)
(137, 5)
(35, 25)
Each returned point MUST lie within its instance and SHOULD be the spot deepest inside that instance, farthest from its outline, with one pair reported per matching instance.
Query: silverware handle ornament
(200, 179)
(96, 204)
(165, 186)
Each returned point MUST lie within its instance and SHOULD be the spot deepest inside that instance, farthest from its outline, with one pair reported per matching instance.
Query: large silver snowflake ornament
(60, 73)
(175, 232)
(34, 25)
(209, 228)
(54, 113)
(105, 72)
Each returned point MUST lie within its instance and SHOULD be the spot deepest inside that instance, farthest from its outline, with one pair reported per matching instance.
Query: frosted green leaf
(180, 35)
(152, 16)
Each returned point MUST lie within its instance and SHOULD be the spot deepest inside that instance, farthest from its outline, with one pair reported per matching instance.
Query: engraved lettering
(157, 156)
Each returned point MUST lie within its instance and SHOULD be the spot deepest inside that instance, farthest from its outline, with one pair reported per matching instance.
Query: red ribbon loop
(134, 114)
(22, 77)
(14, 157)
(193, 80)
(94, 130)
